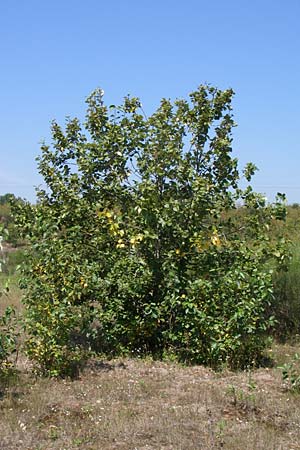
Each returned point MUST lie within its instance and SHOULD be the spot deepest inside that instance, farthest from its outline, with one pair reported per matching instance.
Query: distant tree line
(6, 217)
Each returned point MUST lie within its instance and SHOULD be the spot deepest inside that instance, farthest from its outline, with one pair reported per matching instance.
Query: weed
(53, 433)
(242, 400)
(291, 374)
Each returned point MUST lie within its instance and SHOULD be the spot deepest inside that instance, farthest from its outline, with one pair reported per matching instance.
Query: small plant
(251, 383)
(53, 433)
(7, 336)
(220, 434)
(242, 400)
(291, 374)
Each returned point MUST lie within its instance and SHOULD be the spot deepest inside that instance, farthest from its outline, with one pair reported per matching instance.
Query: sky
(54, 53)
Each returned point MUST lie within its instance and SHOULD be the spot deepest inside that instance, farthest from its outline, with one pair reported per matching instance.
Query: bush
(7, 322)
(291, 374)
(133, 245)
(286, 306)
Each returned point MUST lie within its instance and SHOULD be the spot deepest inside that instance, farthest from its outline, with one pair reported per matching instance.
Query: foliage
(13, 260)
(10, 257)
(243, 399)
(7, 337)
(132, 245)
(286, 305)
(291, 374)
(6, 198)
(7, 326)
(6, 218)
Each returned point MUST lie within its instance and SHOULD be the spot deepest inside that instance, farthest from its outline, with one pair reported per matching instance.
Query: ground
(145, 405)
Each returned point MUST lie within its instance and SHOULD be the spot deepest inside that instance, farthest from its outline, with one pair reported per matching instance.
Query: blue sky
(54, 53)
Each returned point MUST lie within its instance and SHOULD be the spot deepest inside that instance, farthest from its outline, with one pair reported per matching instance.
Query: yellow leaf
(215, 240)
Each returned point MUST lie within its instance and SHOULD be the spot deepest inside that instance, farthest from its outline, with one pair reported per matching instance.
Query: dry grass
(146, 405)
(135, 404)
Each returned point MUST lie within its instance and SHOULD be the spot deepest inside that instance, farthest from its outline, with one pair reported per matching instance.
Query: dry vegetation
(145, 404)
(138, 404)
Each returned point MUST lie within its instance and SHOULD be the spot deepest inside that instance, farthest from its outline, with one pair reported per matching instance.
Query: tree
(134, 246)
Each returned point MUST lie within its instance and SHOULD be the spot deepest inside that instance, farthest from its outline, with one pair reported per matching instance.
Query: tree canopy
(133, 244)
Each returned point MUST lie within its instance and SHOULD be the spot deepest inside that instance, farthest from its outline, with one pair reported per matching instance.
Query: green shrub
(7, 337)
(286, 306)
(132, 247)
(7, 322)
(291, 374)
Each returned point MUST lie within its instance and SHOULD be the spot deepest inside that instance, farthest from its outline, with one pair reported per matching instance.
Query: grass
(144, 404)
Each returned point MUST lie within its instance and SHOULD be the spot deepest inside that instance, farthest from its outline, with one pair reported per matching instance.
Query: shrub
(7, 326)
(286, 305)
(291, 374)
(133, 245)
